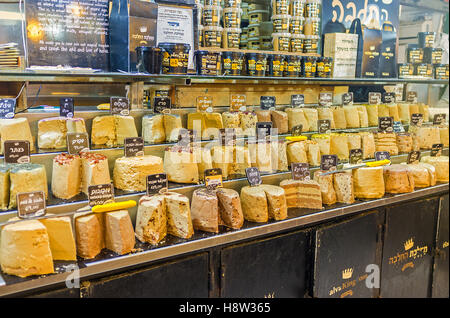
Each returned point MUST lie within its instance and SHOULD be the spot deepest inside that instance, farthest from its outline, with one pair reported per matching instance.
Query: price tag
(436, 150)
(161, 104)
(297, 130)
(298, 100)
(355, 156)
(17, 151)
(133, 147)
(157, 182)
(238, 102)
(300, 171)
(398, 127)
(267, 102)
(119, 106)
(213, 178)
(325, 99)
(77, 142)
(386, 124)
(413, 157)
(416, 119)
(227, 136)
(7, 107)
(204, 104)
(186, 137)
(31, 204)
(347, 99)
(324, 126)
(66, 107)
(439, 119)
(374, 98)
(411, 97)
(381, 155)
(263, 129)
(253, 176)
(100, 194)
(389, 98)
(328, 162)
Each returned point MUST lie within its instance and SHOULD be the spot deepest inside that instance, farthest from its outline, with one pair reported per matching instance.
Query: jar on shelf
(297, 43)
(309, 66)
(281, 41)
(212, 36)
(231, 38)
(433, 55)
(405, 70)
(323, 67)
(275, 65)
(297, 25)
(211, 15)
(253, 44)
(426, 39)
(253, 30)
(232, 63)
(280, 7)
(265, 43)
(208, 63)
(312, 26)
(175, 58)
(423, 70)
(256, 64)
(414, 54)
(244, 34)
(297, 8)
(232, 3)
(441, 71)
(211, 2)
(281, 23)
(258, 16)
(310, 43)
(232, 17)
(292, 66)
(313, 8)
(243, 45)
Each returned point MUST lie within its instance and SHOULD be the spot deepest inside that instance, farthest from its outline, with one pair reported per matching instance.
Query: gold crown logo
(409, 244)
(347, 273)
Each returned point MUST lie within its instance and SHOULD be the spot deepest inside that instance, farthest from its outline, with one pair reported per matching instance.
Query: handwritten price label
(77, 142)
(31, 204)
(119, 106)
(156, 182)
(7, 107)
(66, 107)
(17, 151)
(100, 194)
(300, 171)
(298, 100)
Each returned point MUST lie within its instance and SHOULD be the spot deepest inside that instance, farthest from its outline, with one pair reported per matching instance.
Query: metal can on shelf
(311, 26)
(211, 2)
(313, 8)
(211, 15)
(280, 7)
(441, 71)
(232, 63)
(281, 23)
(297, 24)
(324, 66)
(310, 44)
(414, 54)
(256, 64)
(423, 69)
(231, 38)
(309, 66)
(232, 3)
(297, 43)
(253, 30)
(175, 58)
(243, 45)
(212, 36)
(275, 65)
(432, 55)
(231, 17)
(405, 69)
(258, 16)
(244, 34)
(292, 66)
(208, 63)
(265, 43)
(253, 44)
(281, 41)
(426, 39)
(297, 8)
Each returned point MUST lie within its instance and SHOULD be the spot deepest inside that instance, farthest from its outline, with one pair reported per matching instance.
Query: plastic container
(297, 24)
(211, 2)
(208, 63)
(426, 39)
(231, 3)
(292, 66)
(324, 66)
(232, 18)
(309, 66)
(281, 23)
(297, 8)
(258, 16)
(405, 69)
(212, 36)
(280, 7)
(312, 26)
(310, 43)
(149, 59)
(281, 41)
(200, 34)
(275, 65)
(253, 44)
(313, 8)
(256, 64)
(432, 55)
(441, 71)
(296, 44)
(253, 31)
(414, 54)
(232, 63)
(423, 70)
(244, 34)
(265, 43)
(211, 15)
(175, 58)
(256, 6)
(231, 37)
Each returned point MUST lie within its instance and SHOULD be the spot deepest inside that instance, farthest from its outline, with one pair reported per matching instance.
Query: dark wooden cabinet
(181, 278)
(343, 253)
(441, 264)
(273, 267)
(409, 238)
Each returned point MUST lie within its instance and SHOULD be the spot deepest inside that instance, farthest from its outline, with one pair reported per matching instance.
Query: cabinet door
(408, 245)
(343, 253)
(441, 264)
(273, 267)
(187, 277)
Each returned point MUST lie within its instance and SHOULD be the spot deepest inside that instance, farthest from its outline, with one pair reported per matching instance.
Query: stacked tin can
(259, 27)
(212, 31)
(232, 12)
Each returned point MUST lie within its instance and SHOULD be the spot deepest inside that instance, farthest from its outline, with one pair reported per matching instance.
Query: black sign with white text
(297, 100)
(156, 182)
(100, 194)
(7, 107)
(253, 176)
(17, 151)
(133, 146)
(267, 102)
(31, 204)
(300, 171)
(119, 106)
(77, 142)
(328, 162)
(66, 107)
